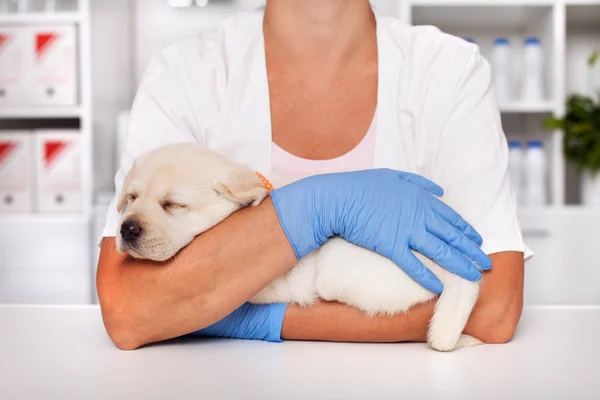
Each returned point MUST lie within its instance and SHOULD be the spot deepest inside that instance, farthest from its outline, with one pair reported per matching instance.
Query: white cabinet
(45, 260)
(566, 265)
(45, 257)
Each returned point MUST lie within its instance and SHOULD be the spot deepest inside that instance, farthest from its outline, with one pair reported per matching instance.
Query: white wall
(156, 25)
(112, 82)
(125, 35)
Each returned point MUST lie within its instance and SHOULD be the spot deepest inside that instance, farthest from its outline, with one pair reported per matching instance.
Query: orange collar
(265, 182)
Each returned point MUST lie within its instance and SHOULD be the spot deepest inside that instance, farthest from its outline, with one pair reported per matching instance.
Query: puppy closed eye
(170, 206)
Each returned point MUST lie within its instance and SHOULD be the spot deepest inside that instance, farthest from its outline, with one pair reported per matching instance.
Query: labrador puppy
(174, 193)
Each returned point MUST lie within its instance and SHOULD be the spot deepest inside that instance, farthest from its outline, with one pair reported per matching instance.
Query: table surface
(64, 353)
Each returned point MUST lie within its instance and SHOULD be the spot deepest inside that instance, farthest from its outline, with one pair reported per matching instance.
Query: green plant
(581, 127)
(594, 57)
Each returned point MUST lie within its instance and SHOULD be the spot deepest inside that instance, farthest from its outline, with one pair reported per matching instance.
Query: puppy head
(176, 192)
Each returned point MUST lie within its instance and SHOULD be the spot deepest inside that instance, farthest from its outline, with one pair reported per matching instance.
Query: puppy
(175, 193)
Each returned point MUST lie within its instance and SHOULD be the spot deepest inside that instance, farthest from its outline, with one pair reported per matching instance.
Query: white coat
(436, 114)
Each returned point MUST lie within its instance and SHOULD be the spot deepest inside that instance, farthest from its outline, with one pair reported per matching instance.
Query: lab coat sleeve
(471, 163)
(162, 114)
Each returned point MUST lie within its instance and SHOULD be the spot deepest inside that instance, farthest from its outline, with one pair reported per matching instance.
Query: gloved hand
(250, 321)
(386, 211)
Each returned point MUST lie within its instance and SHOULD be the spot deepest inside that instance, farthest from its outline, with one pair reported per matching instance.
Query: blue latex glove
(386, 211)
(250, 321)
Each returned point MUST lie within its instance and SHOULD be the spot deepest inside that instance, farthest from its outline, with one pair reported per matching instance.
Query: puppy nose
(131, 230)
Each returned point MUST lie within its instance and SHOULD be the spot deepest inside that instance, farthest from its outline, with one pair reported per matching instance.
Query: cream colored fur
(200, 188)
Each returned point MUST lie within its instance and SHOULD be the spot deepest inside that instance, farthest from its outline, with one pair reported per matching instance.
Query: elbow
(117, 322)
(118, 315)
(123, 335)
(498, 326)
(500, 333)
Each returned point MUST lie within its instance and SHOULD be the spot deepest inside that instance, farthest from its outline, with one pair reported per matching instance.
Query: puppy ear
(242, 187)
(123, 198)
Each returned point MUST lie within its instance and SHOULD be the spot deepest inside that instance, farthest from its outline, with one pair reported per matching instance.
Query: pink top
(288, 166)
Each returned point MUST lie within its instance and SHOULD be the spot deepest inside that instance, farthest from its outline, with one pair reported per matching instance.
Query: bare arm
(493, 320)
(143, 302)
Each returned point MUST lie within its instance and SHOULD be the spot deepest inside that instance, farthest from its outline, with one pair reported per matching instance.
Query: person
(375, 114)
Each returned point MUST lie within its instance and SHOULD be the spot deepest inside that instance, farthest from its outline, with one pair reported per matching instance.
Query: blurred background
(69, 70)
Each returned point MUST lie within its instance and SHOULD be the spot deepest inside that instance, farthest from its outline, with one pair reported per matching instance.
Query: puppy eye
(132, 197)
(171, 206)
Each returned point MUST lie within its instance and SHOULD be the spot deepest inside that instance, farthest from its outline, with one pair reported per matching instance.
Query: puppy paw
(467, 341)
(442, 343)
(448, 343)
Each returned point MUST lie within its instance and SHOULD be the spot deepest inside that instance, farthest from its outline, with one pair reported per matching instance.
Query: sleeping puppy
(175, 193)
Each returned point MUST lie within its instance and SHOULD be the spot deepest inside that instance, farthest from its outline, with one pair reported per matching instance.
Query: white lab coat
(436, 114)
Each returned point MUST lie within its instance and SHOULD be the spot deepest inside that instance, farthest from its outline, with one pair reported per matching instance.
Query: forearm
(221, 269)
(493, 320)
(338, 322)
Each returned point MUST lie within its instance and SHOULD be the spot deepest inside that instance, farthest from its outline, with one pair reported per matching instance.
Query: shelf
(40, 18)
(494, 16)
(40, 112)
(584, 16)
(495, 3)
(480, 3)
(564, 210)
(524, 108)
(583, 2)
(44, 218)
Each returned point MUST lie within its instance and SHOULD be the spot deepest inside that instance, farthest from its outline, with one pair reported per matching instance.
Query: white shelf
(583, 2)
(498, 16)
(40, 18)
(566, 210)
(40, 112)
(527, 108)
(44, 218)
(480, 3)
(495, 3)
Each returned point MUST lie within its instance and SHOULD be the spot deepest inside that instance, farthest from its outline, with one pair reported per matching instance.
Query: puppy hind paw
(467, 341)
(448, 343)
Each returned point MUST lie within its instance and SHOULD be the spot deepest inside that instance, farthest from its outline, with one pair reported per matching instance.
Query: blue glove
(250, 321)
(386, 211)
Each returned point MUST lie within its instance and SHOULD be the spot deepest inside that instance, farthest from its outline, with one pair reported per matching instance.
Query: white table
(64, 353)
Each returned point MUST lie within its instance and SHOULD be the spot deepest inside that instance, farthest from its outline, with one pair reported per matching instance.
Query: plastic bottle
(535, 190)
(533, 77)
(515, 167)
(501, 64)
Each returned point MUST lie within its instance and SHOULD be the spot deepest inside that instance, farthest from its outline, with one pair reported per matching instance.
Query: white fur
(338, 271)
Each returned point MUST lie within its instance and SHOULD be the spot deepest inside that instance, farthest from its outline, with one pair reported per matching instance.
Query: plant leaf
(581, 127)
(553, 123)
(594, 57)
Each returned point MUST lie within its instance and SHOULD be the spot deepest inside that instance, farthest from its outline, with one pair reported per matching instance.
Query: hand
(386, 211)
(250, 321)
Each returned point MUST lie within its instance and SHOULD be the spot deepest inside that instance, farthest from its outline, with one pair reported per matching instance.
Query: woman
(307, 88)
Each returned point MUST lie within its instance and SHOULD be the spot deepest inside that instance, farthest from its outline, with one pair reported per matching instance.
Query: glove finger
(448, 233)
(423, 183)
(418, 272)
(447, 213)
(445, 256)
